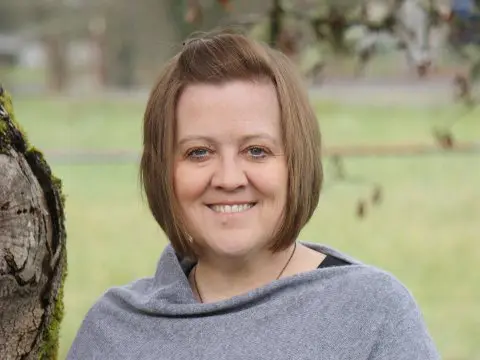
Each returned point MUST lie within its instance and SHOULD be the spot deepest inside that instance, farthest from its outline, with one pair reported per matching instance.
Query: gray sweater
(347, 312)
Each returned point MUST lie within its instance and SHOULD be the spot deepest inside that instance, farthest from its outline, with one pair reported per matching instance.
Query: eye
(257, 152)
(198, 154)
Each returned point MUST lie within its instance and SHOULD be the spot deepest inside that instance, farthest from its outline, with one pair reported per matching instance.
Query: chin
(235, 246)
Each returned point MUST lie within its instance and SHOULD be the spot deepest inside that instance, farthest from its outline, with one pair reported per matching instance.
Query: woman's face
(230, 173)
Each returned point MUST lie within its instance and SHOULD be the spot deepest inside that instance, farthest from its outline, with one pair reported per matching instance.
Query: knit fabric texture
(345, 312)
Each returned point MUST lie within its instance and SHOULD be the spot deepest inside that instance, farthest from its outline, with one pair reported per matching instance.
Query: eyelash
(266, 152)
(191, 153)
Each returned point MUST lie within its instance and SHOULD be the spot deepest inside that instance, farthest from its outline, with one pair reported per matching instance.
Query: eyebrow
(195, 138)
(244, 139)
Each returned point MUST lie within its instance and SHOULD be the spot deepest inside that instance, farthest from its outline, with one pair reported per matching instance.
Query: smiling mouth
(228, 209)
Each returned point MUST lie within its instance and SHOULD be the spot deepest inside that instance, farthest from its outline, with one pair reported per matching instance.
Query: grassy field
(426, 231)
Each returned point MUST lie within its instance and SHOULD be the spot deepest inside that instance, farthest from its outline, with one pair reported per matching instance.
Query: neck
(219, 279)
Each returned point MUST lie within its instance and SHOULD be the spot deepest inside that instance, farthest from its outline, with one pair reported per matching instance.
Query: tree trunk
(32, 247)
(57, 67)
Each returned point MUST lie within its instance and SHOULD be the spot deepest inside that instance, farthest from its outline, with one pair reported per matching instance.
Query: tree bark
(32, 247)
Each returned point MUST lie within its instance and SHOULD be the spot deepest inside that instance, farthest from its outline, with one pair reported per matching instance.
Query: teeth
(231, 208)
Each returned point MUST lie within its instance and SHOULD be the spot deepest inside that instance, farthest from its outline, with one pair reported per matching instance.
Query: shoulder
(377, 285)
(367, 282)
(121, 299)
(110, 314)
(115, 301)
(376, 280)
(366, 289)
(375, 296)
(401, 329)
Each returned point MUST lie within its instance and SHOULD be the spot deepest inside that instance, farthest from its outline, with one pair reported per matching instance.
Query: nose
(229, 174)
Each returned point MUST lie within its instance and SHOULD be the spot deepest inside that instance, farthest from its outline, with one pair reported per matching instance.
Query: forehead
(232, 107)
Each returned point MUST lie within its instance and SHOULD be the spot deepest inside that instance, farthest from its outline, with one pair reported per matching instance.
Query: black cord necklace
(278, 277)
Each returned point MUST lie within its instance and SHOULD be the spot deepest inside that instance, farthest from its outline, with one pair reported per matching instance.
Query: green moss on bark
(51, 336)
(13, 138)
(7, 104)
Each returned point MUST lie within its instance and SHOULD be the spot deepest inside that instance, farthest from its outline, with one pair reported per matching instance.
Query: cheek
(272, 182)
(189, 183)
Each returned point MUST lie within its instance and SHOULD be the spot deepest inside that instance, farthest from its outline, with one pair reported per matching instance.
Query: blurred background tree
(81, 45)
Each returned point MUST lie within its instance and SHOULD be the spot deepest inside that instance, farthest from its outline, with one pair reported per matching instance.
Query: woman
(232, 172)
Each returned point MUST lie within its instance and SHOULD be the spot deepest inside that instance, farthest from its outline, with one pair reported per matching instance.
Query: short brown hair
(218, 57)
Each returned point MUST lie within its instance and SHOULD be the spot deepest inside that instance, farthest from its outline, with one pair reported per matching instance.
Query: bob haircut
(215, 58)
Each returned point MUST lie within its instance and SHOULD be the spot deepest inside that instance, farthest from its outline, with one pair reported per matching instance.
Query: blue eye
(198, 154)
(257, 152)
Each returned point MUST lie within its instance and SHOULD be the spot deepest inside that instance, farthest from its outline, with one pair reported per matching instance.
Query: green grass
(78, 124)
(108, 124)
(426, 231)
